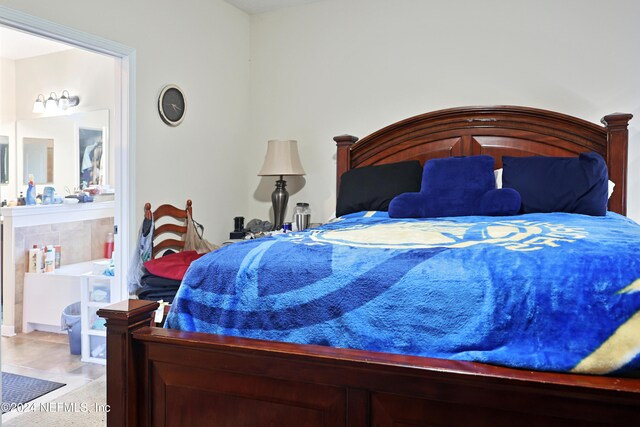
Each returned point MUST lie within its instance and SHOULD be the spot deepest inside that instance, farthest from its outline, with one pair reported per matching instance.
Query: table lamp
(281, 159)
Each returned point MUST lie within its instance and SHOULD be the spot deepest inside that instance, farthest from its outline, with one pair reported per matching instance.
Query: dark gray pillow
(371, 188)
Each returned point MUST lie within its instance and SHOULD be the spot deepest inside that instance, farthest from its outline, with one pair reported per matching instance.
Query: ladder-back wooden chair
(170, 227)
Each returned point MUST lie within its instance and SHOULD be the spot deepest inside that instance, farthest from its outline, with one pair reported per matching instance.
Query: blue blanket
(554, 292)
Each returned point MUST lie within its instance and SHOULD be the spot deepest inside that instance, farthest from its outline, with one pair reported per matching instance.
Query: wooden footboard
(166, 377)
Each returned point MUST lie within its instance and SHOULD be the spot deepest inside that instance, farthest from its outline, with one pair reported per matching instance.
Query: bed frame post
(343, 160)
(123, 372)
(618, 137)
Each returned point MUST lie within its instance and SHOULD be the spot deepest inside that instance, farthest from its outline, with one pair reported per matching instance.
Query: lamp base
(279, 200)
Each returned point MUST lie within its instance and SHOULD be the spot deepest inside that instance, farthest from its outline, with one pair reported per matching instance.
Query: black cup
(238, 223)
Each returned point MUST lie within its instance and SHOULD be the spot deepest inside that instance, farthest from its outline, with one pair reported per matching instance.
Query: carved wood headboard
(496, 131)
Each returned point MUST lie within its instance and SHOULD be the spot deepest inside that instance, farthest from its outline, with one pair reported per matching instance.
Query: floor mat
(19, 389)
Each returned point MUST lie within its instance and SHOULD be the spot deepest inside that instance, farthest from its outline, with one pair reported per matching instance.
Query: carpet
(17, 389)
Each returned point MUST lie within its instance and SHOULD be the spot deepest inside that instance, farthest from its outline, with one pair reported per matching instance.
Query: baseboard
(8, 330)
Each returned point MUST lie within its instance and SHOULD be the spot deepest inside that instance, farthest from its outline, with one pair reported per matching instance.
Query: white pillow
(498, 175)
(610, 188)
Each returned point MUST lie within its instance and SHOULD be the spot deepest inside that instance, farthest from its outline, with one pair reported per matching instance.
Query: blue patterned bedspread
(554, 292)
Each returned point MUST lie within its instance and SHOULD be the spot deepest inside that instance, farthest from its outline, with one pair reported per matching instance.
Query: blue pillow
(456, 186)
(559, 184)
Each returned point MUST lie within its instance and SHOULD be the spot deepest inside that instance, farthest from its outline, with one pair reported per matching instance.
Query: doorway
(122, 131)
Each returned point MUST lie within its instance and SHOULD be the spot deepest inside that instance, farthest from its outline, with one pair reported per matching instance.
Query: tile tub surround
(80, 231)
(80, 241)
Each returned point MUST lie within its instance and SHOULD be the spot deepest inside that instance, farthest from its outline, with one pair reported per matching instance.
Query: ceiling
(253, 7)
(16, 45)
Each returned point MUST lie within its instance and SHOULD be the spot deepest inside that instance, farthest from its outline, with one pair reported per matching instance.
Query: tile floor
(46, 355)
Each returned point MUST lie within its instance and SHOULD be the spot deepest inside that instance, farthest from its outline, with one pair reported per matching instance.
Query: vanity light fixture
(38, 105)
(53, 104)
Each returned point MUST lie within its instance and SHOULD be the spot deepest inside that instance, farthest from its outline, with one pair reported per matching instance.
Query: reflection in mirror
(91, 148)
(37, 160)
(66, 132)
(4, 159)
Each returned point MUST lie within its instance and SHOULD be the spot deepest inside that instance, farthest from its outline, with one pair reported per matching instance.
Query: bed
(164, 376)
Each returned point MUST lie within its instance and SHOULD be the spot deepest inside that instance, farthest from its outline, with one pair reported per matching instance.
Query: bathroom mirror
(4, 159)
(37, 155)
(72, 134)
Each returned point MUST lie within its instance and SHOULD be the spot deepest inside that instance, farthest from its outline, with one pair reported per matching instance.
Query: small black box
(236, 235)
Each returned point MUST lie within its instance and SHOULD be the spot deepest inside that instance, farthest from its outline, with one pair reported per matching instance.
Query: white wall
(344, 66)
(7, 111)
(85, 74)
(8, 90)
(354, 66)
(203, 47)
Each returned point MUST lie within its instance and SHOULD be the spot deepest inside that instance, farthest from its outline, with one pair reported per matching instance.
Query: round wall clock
(171, 105)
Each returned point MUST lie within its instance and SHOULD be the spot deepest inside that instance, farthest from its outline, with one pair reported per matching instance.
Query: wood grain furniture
(169, 235)
(170, 226)
(170, 377)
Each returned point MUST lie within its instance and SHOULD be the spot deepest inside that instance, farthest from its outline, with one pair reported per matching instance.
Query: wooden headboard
(496, 131)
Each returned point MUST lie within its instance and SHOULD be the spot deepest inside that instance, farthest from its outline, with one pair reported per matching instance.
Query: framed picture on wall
(91, 168)
(4, 159)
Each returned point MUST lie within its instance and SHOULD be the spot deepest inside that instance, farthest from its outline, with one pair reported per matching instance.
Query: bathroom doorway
(116, 167)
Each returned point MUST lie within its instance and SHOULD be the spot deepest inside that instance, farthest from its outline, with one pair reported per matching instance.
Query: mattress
(552, 292)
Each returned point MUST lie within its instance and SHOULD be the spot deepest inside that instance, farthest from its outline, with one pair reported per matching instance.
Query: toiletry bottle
(50, 260)
(43, 252)
(58, 255)
(31, 192)
(108, 246)
(35, 260)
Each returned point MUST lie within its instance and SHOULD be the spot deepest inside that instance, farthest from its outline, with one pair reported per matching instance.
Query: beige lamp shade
(282, 158)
